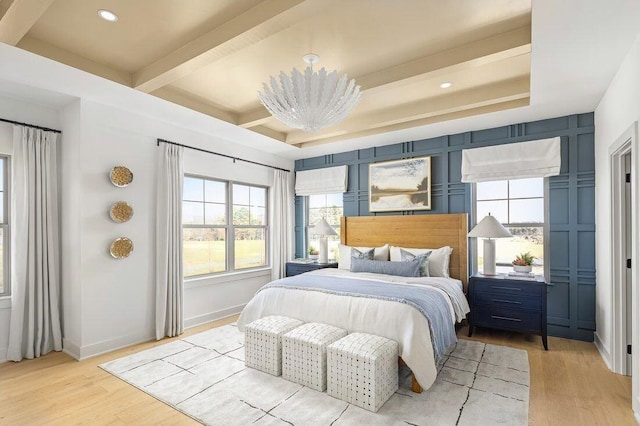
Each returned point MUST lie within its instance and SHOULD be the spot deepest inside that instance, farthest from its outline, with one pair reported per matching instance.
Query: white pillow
(380, 253)
(438, 261)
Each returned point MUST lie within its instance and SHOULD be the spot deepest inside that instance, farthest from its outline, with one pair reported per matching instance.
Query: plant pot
(522, 269)
(313, 256)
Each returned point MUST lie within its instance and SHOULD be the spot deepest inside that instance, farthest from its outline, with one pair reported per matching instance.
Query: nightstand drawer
(504, 318)
(507, 287)
(294, 269)
(508, 300)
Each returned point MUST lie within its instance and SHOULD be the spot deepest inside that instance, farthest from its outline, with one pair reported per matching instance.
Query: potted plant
(313, 252)
(523, 262)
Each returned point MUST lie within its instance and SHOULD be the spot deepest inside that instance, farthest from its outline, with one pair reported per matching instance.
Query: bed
(395, 318)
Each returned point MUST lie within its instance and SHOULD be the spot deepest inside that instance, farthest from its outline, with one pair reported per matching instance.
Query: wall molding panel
(571, 203)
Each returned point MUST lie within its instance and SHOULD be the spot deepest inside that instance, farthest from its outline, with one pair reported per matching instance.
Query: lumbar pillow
(401, 269)
(422, 259)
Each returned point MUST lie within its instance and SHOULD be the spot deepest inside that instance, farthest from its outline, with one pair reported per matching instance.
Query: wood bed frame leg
(415, 386)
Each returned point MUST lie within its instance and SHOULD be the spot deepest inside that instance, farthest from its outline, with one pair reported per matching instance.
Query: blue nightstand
(294, 268)
(506, 303)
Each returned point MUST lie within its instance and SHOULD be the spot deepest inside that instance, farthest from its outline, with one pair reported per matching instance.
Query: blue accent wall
(571, 203)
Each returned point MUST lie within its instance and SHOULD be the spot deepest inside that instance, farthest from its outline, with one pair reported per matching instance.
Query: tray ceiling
(213, 56)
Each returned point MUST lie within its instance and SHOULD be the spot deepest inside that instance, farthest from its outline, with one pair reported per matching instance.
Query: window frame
(6, 226)
(229, 228)
(307, 206)
(545, 226)
(231, 258)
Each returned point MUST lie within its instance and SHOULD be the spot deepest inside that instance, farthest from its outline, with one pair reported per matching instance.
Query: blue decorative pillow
(423, 259)
(402, 269)
(357, 254)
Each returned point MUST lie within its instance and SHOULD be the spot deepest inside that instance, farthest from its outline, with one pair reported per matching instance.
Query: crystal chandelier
(310, 101)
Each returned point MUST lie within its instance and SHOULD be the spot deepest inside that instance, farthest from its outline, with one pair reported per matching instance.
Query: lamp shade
(322, 228)
(489, 227)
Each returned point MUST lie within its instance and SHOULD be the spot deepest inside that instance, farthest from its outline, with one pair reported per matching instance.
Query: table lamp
(323, 230)
(489, 228)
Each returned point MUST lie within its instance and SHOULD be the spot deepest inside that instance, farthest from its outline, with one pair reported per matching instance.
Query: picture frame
(400, 185)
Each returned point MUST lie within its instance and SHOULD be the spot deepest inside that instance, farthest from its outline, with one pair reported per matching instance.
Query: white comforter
(393, 320)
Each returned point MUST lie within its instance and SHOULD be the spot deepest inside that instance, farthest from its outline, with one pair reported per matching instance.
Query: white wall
(617, 111)
(17, 110)
(70, 236)
(117, 297)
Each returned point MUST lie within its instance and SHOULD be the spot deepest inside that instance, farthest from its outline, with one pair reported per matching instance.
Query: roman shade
(329, 180)
(540, 158)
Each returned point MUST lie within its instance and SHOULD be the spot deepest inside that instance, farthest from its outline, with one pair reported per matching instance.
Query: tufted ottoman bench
(304, 354)
(263, 342)
(362, 369)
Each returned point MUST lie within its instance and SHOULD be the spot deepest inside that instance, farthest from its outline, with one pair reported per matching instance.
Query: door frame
(626, 143)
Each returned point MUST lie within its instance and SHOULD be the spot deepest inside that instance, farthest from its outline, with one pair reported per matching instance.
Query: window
(5, 287)
(329, 207)
(225, 226)
(519, 206)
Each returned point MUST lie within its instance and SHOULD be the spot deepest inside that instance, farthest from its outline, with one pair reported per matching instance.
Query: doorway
(621, 247)
(627, 279)
(624, 155)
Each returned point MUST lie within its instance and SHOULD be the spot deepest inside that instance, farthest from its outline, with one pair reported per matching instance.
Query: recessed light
(107, 15)
(446, 85)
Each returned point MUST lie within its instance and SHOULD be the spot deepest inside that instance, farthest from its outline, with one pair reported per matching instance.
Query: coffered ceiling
(213, 56)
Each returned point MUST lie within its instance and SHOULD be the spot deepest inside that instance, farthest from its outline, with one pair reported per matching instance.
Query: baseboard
(604, 353)
(213, 316)
(637, 416)
(71, 349)
(106, 346)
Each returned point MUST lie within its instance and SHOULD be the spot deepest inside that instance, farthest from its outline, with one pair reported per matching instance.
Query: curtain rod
(221, 155)
(46, 129)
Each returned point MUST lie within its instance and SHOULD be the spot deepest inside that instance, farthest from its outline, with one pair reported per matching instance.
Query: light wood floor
(570, 385)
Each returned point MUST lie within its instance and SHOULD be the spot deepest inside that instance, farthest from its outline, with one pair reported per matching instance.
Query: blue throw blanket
(428, 301)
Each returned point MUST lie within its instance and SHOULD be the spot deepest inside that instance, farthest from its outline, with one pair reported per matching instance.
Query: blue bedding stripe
(428, 301)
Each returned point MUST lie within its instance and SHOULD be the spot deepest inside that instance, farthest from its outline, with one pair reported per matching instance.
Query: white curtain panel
(169, 280)
(35, 272)
(329, 180)
(282, 223)
(540, 158)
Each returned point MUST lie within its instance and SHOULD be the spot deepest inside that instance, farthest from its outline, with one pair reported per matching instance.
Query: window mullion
(231, 233)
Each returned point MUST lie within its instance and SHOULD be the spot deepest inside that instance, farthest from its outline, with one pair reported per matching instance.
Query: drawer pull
(506, 318)
(506, 288)
(514, 302)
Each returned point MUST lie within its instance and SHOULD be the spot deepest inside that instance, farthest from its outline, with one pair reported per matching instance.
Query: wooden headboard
(415, 231)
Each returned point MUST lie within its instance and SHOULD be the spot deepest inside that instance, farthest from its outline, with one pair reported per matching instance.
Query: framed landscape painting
(400, 185)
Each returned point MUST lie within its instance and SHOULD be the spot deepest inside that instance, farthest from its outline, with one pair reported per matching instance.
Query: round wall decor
(120, 176)
(121, 248)
(120, 212)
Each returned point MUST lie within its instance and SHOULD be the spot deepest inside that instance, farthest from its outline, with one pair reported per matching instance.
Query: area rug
(204, 377)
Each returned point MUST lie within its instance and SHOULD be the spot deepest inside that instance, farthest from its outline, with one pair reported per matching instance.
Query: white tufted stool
(362, 369)
(263, 342)
(304, 354)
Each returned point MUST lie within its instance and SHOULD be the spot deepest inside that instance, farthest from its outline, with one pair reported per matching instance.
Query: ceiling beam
(188, 101)
(502, 106)
(19, 17)
(273, 134)
(50, 51)
(503, 91)
(253, 118)
(475, 54)
(257, 23)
